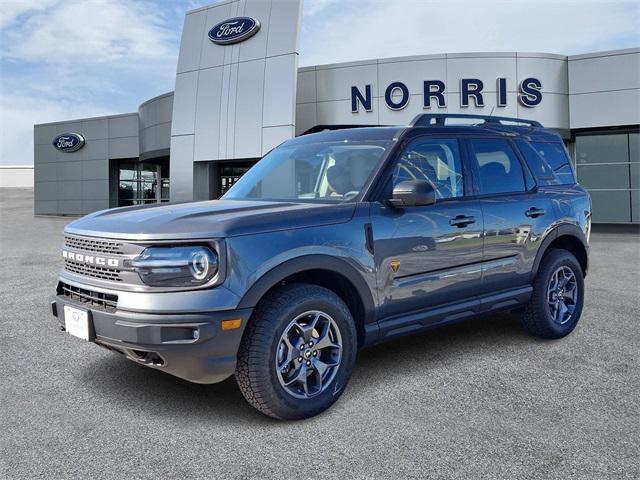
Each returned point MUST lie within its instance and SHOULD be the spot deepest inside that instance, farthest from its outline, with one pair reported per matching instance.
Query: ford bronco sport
(332, 242)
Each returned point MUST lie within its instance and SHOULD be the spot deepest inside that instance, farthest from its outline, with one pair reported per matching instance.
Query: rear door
(428, 255)
(515, 214)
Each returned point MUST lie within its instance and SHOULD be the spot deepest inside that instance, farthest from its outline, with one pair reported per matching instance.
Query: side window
(549, 162)
(436, 160)
(538, 165)
(555, 155)
(499, 169)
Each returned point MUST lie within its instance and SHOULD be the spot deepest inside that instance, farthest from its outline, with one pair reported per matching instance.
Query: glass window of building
(140, 183)
(608, 166)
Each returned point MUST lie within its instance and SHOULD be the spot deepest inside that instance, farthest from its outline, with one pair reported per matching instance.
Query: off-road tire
(256, 373)
(536, 315)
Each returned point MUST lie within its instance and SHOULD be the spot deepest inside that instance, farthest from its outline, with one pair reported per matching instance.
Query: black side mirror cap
(413, 193)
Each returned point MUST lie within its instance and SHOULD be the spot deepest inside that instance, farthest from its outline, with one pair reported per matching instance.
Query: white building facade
(239, 93)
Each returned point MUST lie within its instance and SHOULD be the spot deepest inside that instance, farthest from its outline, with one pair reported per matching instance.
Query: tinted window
(499, 169)
(555, 156)
(541, 156)
(435, 160)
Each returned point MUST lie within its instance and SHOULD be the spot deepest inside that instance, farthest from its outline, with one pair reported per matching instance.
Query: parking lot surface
(479, 399)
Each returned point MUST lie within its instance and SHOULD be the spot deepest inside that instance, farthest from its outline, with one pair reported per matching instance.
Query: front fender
(255, 263)
(305, 263)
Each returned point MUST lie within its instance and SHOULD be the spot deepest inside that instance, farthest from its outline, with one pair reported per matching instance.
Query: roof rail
(428, 119)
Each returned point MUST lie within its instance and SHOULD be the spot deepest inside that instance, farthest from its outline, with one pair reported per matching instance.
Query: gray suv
(335, 241)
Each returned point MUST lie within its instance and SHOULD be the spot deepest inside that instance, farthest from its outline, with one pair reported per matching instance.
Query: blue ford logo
(234, 30)
(69, 142)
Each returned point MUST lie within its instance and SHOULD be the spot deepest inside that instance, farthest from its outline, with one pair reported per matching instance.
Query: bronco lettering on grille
(90, 259)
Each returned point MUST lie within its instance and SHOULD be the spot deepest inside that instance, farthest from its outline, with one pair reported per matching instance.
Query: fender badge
(395, 265)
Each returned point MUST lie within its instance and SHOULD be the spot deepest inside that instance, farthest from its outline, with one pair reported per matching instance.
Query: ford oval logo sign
(68, 142)
(234, 30)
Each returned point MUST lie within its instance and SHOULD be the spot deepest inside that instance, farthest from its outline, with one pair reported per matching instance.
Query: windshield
(317, 172)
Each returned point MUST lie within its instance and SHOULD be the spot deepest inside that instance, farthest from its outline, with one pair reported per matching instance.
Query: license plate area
(77, 322)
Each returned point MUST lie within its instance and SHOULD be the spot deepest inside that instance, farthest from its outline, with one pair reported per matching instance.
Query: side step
(435, 317)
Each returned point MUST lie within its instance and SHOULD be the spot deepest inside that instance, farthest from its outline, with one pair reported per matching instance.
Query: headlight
(176, 266)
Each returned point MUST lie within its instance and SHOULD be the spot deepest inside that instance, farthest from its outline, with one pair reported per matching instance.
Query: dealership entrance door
(231, 173)
(145, 182)
(213, 179)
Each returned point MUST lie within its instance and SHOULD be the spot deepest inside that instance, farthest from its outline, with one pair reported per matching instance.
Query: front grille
(93, 245)
(94, 271)
(97, 300)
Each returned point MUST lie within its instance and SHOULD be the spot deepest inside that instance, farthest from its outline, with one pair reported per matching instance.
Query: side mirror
(413, 193)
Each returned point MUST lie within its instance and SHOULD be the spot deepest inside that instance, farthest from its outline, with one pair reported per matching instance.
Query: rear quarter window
(549, 162)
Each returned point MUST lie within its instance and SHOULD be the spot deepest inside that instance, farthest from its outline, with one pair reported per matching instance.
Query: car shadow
(130, 385)
(448, 344)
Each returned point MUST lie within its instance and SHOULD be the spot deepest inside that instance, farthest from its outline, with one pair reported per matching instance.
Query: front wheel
(297, 354)
(558, 296)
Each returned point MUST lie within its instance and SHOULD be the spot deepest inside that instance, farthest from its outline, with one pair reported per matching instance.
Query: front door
(429, 255)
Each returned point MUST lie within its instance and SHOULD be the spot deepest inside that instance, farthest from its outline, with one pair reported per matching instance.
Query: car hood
(209, 219)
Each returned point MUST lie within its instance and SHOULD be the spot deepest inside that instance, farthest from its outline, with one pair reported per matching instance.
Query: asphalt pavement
(480, 399)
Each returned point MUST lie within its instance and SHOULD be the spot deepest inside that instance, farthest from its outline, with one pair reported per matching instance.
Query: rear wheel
(297, 354)
(558, 296)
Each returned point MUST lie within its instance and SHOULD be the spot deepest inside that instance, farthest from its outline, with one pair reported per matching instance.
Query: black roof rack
(428, 119)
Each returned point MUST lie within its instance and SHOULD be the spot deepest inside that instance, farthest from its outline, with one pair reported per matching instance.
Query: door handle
(461, 221)
(534, 212)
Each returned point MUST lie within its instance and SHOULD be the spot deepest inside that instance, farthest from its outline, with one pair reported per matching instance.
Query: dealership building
(239, 92)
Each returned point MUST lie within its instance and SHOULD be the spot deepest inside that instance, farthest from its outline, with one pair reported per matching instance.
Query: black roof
(350, 133)
(528, 133)
(508, 126)
(427, 119)
(434, 124)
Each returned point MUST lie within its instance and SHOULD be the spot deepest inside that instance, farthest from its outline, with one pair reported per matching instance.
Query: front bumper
(191, 346)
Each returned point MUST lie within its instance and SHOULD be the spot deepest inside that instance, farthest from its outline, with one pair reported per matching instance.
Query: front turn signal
(231, 324)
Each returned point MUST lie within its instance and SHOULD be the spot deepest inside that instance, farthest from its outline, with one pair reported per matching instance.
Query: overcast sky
(65, 59)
